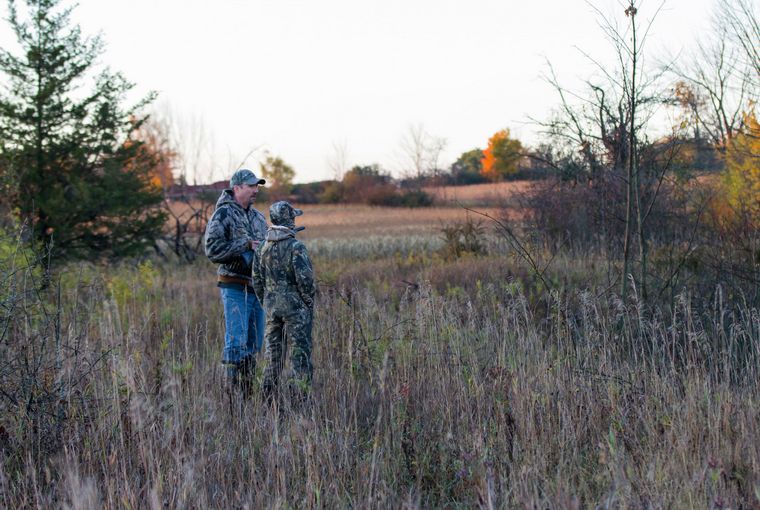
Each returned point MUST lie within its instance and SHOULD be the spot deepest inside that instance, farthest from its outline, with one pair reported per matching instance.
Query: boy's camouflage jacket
(228, 236)
(283, 278)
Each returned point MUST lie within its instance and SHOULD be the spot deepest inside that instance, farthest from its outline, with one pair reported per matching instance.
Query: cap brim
(297, 212)
(254, 182)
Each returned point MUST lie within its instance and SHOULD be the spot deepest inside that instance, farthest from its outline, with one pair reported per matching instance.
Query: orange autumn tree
(741, 180)
(154, 151)
(156, 145)
(501, 156)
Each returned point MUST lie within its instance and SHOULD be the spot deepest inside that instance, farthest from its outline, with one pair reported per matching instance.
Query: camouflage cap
(282, 213)
(245, 176)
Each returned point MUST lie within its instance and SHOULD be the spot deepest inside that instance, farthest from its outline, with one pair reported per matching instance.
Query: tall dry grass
(471, 394)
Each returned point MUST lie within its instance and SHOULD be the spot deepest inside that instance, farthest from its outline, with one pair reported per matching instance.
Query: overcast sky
(298, 77)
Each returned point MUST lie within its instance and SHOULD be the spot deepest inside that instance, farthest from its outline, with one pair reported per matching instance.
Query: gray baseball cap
(282, 213)
(245, 176)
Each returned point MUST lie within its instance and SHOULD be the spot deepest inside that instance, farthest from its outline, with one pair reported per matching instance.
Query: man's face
(245, 194)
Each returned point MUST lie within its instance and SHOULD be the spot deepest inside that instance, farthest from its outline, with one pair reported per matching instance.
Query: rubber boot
(231, 377)
(247, 375)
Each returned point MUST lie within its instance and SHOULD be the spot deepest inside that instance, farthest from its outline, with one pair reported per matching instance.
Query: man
(283, 280)
(234, 231)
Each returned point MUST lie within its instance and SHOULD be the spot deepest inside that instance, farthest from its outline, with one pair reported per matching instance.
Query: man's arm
(259, 277)
(304, 274)
(222, 246)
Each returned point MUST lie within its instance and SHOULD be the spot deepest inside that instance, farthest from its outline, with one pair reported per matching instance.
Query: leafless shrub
(466, 238)
(45, 362)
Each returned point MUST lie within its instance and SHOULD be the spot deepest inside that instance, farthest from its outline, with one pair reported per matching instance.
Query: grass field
(501, 194)
(440, 382)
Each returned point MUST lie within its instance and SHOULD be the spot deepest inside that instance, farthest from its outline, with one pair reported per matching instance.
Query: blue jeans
(243, 324)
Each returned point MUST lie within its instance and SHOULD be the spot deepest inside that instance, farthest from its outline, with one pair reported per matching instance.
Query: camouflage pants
(292, 327)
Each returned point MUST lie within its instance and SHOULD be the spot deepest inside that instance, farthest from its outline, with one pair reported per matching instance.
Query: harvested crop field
(340, 221)
(503, 194)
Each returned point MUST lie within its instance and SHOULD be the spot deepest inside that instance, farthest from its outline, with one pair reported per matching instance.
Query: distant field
(337, 221)
(341, 221)
(354, 220)
(500, 193)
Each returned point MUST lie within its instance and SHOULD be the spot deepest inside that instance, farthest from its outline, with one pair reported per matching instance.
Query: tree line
(84, 171)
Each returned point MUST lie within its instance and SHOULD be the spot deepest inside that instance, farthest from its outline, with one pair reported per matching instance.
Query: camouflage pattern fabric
(228, 234)
(283, 214)
(283, 280)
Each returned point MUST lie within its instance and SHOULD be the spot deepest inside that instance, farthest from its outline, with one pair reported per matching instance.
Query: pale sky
(297, 77)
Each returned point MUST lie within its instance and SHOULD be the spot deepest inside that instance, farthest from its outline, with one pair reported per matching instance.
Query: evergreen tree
(73, 171)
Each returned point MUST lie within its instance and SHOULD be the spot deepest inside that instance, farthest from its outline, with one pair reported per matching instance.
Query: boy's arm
(304, 274)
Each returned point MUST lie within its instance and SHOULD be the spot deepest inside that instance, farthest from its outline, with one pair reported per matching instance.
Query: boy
(283, 280)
